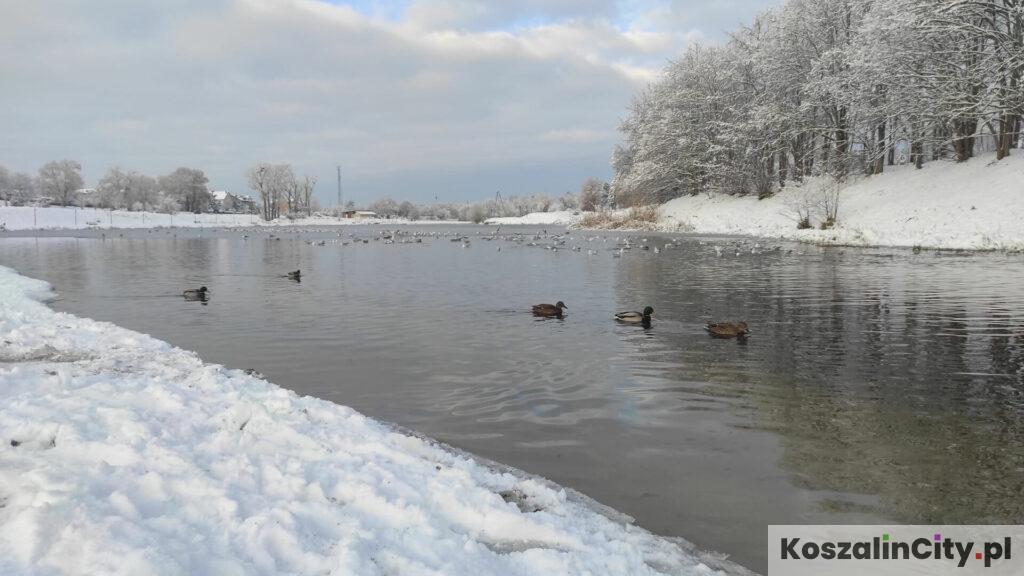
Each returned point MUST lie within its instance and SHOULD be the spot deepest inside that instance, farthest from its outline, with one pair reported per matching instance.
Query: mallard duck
(728, 329)
(195, 294)
(636, 317)
(549, 310)
(297, 275)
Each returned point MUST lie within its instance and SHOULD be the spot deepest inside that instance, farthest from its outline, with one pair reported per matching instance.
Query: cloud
(449, 97)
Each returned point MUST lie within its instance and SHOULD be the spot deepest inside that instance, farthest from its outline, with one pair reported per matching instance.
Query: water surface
(878, 385)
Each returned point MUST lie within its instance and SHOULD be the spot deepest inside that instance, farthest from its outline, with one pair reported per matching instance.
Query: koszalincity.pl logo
(884, 547)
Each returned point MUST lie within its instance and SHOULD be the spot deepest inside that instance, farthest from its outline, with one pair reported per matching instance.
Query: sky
(419, 100)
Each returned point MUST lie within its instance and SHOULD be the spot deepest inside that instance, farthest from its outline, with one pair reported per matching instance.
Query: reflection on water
(876, 385)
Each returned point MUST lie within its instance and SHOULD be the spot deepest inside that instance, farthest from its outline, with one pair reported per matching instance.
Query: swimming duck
(636, 317)
(195, 294)
(549, 310)
(728, 329)
(297, 275)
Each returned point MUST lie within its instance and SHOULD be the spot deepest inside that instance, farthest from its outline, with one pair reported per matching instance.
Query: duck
(297, 275)
(549, 310)
(728, 329)
(633, 317)
(195, 294)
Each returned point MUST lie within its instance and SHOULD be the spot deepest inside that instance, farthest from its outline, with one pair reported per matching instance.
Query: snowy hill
(976, 205)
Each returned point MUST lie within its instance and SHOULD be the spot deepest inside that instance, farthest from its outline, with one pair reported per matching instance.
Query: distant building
(358, 214)
(224, 202)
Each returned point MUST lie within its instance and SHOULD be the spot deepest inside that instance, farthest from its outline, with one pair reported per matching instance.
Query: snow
(122, 454)
(977, 205)
(58, 217)
(558, 218)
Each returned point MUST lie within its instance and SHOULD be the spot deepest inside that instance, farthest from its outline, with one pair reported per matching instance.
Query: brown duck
(549, 310)
(728, 329)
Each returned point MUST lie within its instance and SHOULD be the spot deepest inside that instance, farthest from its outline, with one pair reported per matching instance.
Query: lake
(877, 385)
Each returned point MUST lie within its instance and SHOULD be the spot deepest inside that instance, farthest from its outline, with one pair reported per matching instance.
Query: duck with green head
(634, 317)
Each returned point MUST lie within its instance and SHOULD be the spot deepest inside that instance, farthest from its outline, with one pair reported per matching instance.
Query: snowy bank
(122, 454)
(977, 205)
(559, 218)
(70, 218)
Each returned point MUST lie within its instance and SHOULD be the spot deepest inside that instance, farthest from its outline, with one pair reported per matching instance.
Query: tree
(59, 179)
(188, 187)
(143, 191)
(826, 87)
(385, 207)
(21, 188)
(306, 194)
(592, 195)
(114, 189)
(5, 184)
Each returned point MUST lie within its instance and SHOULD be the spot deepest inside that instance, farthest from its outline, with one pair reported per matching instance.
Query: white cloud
(444, 100)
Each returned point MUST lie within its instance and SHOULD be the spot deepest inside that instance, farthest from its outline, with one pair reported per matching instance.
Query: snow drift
(122, 454)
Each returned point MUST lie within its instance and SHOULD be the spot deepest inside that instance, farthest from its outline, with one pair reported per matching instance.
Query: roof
(219, 194)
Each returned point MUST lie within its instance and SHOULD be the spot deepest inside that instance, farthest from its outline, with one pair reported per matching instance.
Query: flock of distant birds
(557, 310)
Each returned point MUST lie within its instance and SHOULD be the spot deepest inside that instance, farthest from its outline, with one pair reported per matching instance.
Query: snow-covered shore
(122, 454)
(69, 218)
(978, 205)
(558, 218)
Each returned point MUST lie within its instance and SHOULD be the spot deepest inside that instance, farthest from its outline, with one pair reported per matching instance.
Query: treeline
(828, 87)
(474, 211)
(60, 183)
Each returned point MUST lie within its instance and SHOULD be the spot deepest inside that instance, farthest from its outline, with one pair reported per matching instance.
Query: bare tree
(306, 193)
(59, 180)
(278, 189)
(591, 194)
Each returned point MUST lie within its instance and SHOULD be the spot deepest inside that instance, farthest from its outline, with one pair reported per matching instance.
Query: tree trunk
(892, 146)
(880, 161)
(1005, 137)
(783, 168)
(963, 133)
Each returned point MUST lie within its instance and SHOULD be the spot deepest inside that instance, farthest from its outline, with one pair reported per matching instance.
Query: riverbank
(71, 218)
(976, 205)
(121, 453)
(557, 218)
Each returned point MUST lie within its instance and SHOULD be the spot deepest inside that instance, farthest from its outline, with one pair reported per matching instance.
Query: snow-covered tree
(188, 187)
(59, 180)
(826, 87)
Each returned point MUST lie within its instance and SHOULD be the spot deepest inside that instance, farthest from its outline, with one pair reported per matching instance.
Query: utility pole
(340, 205)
